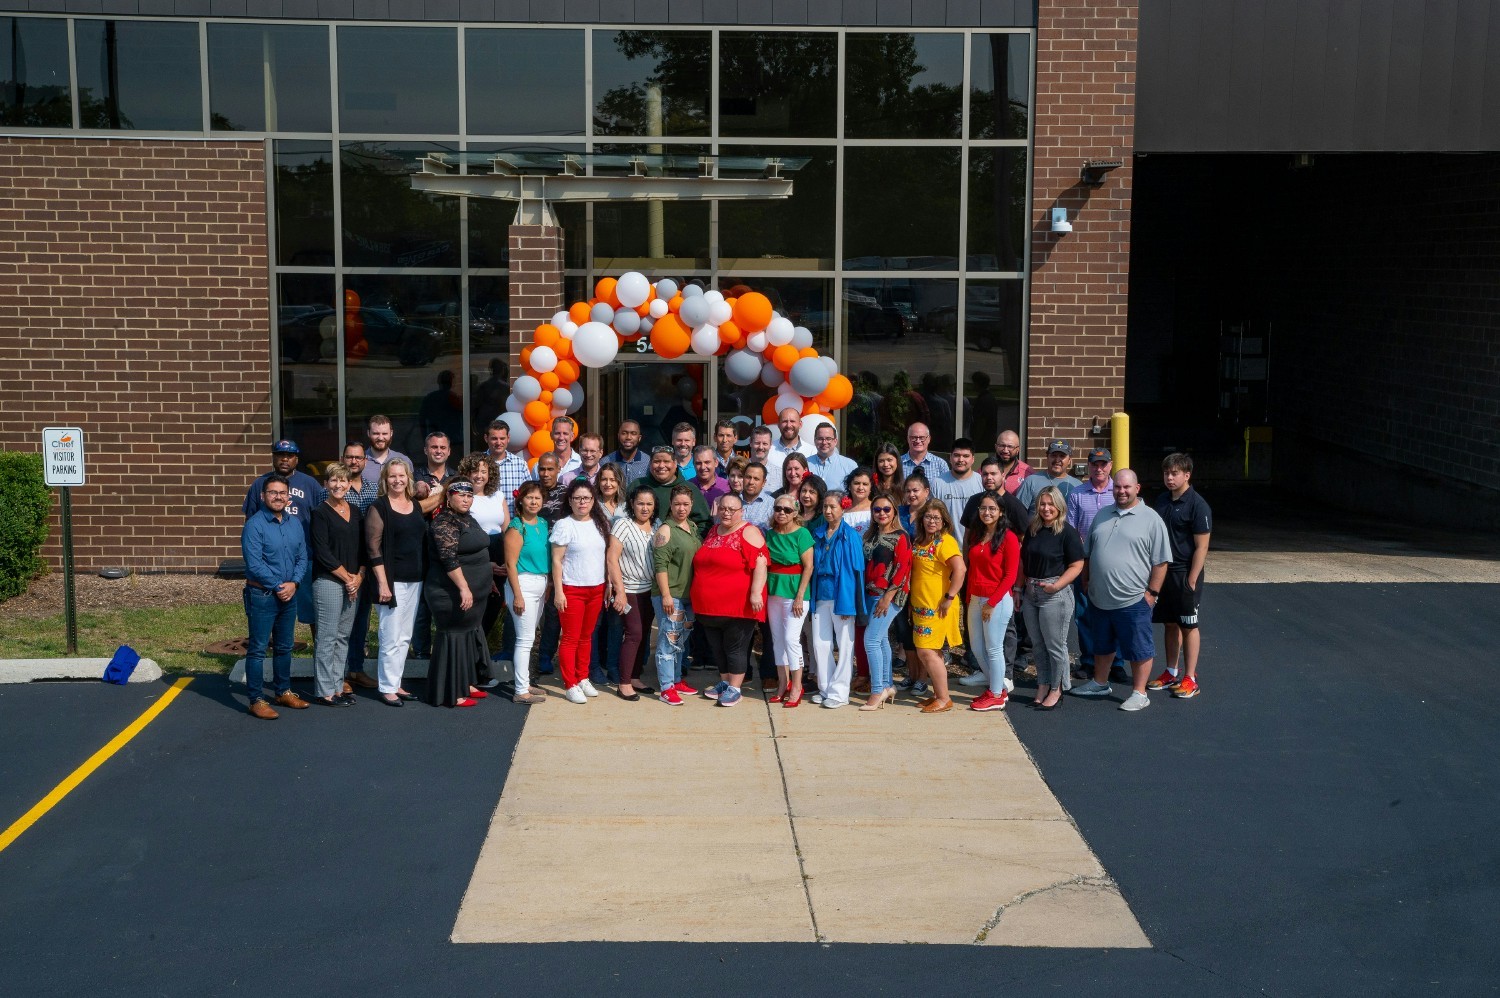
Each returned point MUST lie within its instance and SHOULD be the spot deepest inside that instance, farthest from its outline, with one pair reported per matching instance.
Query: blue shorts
(1128, 628)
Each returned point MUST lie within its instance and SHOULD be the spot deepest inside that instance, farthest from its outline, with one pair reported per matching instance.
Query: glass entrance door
(658, 394)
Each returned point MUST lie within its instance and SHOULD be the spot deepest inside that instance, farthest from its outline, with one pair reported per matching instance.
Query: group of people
(691, 555)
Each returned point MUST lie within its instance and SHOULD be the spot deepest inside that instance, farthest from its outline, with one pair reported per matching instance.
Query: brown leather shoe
(861, 685)
(262, 710)
(362, 680)
(292, 700)
(347, 690)
(937, 706)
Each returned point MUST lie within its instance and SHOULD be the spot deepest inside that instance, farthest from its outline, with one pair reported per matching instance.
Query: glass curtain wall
(904, 248)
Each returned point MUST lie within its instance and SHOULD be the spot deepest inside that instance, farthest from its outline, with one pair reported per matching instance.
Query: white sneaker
(588, 688)
(1010, 685)
(1136, 701)
(832, 704)
(575, 695)
(817, 698)
(975, 678)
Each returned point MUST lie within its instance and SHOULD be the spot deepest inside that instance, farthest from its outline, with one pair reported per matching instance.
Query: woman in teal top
(527, 562)
(790, 547)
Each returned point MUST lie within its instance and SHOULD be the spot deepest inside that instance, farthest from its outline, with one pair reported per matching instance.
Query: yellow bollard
(1119, 440)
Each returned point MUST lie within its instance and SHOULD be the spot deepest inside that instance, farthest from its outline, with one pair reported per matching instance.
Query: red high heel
(792, 702)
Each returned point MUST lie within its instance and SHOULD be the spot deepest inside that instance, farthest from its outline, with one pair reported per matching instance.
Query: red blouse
(992, 576)
(721, 575)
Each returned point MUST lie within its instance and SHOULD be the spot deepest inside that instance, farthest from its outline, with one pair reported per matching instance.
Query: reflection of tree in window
(678, 77)
(883, 98)
(774, 83)
(386, 223)
(34, 73)
(997, 112)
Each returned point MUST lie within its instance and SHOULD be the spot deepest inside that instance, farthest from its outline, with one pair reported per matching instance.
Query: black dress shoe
(391, 701)
(405, 695)
(632, 697)
(334, 701)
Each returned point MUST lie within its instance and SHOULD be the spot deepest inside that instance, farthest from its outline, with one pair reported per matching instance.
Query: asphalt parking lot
(1319, 821)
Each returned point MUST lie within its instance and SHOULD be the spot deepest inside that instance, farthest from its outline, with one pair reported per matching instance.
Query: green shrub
(25, 502)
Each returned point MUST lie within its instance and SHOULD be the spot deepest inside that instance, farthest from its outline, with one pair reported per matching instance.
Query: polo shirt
(1084, 504)
(568, 478)
(1033, 485)
(307, 495)
(1185, 516)
(932, 466)
(955, 494)
(1015, 476)
(374, 465)
(712, 492)
(275, 550)
(1123, 546)
(834, 470)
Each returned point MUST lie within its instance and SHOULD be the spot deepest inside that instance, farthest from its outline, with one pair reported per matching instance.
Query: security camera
(1060, 224)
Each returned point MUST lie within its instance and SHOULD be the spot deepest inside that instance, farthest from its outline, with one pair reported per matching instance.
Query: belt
(784, 569)
(256, 585)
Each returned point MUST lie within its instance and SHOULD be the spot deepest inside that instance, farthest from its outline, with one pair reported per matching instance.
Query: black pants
(728, 642)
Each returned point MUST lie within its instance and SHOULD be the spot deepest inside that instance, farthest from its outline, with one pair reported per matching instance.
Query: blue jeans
(272, 622)
(671, 641)
(608, 634)
(1084, 623)
(988, 638)
(878, 647)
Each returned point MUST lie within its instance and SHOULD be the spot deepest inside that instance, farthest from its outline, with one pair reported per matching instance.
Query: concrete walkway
(643, 822)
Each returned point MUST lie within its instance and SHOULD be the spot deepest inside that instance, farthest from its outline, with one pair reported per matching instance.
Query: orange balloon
(742, 342)
(547, 335)
(360, 349)
(579, 312)
(605, 291)
(810, 409)
(752, 312)
(768, 413)
(545, 398)
(540, 442)
(526, 357)
(644, 308)
(566, 371)
(351, 298)
(807, 352)
(674, 303)
(729, 333)
(669, 338)
(536, 413)
(563, 348)
(839, 393)
(784, 357)
(549, 381)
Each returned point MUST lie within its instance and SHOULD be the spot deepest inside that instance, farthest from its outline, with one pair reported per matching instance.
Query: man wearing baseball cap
(306, 496)
(1059, 453)
(1084, 503)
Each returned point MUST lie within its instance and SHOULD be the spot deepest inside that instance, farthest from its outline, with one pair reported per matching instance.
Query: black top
(1184, 517)
(336, 541)
(1017, 518)
(395, 540)
(555, 504)
(1046, 555)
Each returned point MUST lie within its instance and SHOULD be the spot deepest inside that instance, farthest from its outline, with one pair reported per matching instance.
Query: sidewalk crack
(1083, 880)
(786, 795)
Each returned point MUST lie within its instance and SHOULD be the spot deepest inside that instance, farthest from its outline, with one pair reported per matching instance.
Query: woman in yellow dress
(937, 577)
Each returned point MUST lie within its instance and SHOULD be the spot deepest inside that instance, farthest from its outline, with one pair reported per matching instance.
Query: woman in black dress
(458, 568)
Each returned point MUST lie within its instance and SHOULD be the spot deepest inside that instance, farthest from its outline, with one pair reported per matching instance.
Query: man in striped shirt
(1084, 503)
(918, 457)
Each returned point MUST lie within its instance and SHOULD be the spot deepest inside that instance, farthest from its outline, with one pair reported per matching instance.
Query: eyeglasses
(728, 509)
(278, 495)
(353, 457)
(784, 509)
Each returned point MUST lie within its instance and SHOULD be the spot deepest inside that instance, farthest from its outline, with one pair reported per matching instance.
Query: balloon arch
(756, 342)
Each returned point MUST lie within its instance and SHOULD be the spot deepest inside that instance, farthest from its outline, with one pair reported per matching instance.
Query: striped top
(636, 563)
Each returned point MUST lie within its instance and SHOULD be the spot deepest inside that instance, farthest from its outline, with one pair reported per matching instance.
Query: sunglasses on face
(785, 509)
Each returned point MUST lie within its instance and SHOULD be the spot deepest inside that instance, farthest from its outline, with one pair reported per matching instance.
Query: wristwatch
(1153, 592)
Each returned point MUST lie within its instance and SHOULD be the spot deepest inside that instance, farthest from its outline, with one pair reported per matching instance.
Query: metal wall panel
(1318, 76)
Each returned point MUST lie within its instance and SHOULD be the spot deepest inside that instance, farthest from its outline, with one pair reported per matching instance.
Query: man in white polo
(1128, 552)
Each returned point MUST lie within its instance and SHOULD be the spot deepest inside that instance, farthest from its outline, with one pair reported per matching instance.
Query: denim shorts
(1128, 628)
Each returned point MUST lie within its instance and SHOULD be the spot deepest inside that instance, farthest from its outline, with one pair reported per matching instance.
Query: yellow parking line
(94, 761)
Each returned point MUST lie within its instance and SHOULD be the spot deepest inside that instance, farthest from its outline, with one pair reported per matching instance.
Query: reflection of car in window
(309, 337)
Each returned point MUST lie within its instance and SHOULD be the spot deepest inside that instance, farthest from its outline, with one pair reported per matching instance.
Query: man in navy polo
(275, 553)
(305, 496)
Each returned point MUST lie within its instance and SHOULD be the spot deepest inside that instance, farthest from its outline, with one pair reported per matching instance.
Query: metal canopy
(533, 180)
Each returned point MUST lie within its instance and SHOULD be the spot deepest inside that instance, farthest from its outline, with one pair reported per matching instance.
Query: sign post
(62, 459)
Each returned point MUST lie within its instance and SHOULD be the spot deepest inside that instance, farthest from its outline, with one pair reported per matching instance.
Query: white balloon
(712, 296)
(694, 312)
(646, 324)
(808, 377)
(558, 410)
(558, 318)
(787, 399)
(568, 329)
(632, 289)
(577, 404)
(719, 312)
(627, 322)
(602, 312)
(810, 426)
(779, 332)
(666, 288)
(756, 342)
(693, 291)
(706, 340)
(526, 388)
(513, 404)
(520, 433)
(595, 345)
(659, 308)
(831, 364)
(562, 397)
(802, 337)
(770, 376)
(543, 359)
(742, 367)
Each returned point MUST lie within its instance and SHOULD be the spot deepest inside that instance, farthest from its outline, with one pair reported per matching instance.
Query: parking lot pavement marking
(99, 758)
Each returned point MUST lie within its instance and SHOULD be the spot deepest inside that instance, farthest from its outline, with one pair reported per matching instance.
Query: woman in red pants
(579, 542)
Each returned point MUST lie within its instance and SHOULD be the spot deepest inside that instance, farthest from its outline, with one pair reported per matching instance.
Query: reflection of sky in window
(1018, 82)
(300, 76)
(43, 51)
(156, 69)
(398, 79)
(525, 81)
(942, 59)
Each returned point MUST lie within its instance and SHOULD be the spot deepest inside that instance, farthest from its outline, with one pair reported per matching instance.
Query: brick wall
(133, 303)
(1084, 109)
(536, 284)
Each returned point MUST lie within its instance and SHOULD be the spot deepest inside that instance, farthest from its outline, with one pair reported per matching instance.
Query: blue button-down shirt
(932, 466)
(635, 467)
(306, 496)
(275, 551)
(833, 471)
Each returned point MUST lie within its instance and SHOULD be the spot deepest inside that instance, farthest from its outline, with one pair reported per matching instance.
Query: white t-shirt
(583, 563)
(490, 512)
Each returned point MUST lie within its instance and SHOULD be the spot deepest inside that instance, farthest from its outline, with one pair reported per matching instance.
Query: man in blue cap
(305, 496)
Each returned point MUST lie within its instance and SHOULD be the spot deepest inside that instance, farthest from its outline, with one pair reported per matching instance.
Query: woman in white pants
(395, 543)
(527, 562)
(838, 598)
(788, 574)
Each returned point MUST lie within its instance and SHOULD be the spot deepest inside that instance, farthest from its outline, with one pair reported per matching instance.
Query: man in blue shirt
(629, 455)
(275, 553)
(826, 462)
(918, 457)
(306, 495)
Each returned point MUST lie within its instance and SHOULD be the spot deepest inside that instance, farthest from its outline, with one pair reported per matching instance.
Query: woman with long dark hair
(994, 559)
(838, 599)
(937, 577)
(631, 574)
(579, 542)
(888, 475)
(887, 581)
(458, 581)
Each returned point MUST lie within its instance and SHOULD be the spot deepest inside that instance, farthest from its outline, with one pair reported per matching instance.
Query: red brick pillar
(1084, 109)
(536, 283)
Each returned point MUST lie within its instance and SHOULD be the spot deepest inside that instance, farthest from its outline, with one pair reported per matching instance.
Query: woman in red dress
(729, 578)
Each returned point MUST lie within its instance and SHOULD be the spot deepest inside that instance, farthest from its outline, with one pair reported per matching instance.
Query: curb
(31, 670)
(302, 668)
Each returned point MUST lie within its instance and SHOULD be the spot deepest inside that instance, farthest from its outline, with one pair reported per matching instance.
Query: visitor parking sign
(62, 455)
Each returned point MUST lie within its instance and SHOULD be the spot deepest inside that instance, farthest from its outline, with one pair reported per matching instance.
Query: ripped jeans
(671, 640)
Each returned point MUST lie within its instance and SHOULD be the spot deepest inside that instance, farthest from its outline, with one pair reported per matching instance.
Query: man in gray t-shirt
(1059, 453)
(1128, 551)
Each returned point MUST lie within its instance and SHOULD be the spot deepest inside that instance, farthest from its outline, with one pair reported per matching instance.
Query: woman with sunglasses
(994, 559)
(789, 573)
(456, 590)
(729, 595)
(887, 582)
(526, 561)
(937, 577)
(838, 598)
(579, 542)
